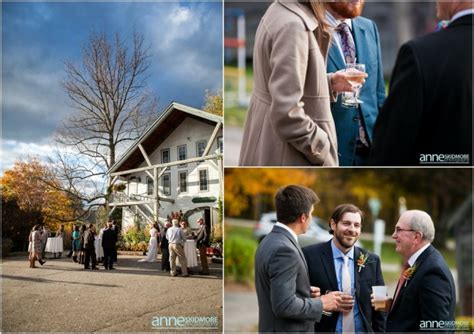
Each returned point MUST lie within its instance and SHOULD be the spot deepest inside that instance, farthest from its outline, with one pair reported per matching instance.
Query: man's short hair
(292, 201)
(421, 221)
(342, 209)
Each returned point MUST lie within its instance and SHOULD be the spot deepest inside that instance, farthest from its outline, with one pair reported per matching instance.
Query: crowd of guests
(171, 239)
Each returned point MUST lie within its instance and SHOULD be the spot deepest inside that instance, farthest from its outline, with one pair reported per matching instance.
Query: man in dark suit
(425, 294)
(202, 242)
(326, 265)
(427, 117)
(354, 125)
(286, 300)
(89, 247)
(109, 239)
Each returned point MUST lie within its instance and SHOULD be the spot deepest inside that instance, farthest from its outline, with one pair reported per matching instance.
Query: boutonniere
(361, 261)
(408, 273)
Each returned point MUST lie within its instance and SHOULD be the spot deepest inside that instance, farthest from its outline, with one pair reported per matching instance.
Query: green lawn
(235, 116)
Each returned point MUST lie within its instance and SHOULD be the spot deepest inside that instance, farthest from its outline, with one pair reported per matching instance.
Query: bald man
(425, 294)
(427, 117)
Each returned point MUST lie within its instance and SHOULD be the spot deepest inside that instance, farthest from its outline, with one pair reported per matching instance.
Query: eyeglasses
(398, 230)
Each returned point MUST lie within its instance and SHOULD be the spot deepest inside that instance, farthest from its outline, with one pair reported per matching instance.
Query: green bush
(239, 259)
(134, 239)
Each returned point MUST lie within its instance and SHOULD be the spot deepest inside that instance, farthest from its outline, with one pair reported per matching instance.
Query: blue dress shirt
(338, 258)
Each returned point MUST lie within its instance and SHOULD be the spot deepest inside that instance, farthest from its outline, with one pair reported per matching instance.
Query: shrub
(239, 259)
(217, 233)
(7, 245)
(134, 239)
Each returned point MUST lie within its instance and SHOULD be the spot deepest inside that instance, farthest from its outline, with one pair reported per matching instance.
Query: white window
(183, 182)
(166, 184)
(220, 144)
(149, 186)
(165, 155)
(203, 180)
(200, 147)
(182, 153)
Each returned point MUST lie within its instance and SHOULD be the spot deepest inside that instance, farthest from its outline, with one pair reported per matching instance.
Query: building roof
(166, 123)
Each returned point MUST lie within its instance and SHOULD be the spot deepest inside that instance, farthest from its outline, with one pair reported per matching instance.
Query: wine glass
(355, 74)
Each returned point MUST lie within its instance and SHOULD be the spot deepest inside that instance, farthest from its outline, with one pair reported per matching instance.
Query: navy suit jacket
(428, 295)
(322, 274)
(428, 111)
(366, 38)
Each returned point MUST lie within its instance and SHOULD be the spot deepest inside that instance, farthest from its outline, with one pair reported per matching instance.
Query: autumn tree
(112, 108)
(27, 199)
(214, 103)
(251, 190)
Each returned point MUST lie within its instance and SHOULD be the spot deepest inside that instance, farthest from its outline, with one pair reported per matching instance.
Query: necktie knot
(346, 260)
(343, 27)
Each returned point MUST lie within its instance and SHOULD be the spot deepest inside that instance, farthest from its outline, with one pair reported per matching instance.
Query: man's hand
(347, 303)
(388, 304)
(331, 301)
(315, 292)
(340, 82)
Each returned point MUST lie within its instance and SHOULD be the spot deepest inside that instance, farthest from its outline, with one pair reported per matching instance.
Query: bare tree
(112, 109)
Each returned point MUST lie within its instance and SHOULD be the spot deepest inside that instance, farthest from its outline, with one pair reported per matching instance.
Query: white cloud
(13, 151)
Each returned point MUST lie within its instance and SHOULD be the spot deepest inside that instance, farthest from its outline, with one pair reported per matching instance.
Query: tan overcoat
(289, 122)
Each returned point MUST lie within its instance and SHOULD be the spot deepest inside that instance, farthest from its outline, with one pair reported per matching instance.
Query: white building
(176, 165)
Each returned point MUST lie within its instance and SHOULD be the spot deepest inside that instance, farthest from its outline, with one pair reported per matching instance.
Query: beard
(346, 9)
(345, 243)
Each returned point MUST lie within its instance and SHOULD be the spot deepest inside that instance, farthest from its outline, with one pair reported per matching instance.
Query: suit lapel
(356, 271)
(418, 263)
(335, 57)
(359, 39)
(328, 265)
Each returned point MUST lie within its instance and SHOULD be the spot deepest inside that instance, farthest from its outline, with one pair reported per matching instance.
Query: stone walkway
(62, 296)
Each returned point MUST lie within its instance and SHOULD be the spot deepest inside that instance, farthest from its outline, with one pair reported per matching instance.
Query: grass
(244, 232)
(235, 116)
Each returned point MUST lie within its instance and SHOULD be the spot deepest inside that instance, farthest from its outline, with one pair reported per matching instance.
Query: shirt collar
(293, 234)
(465, 12)
(414, 257)
(334, 23)
(337, 253)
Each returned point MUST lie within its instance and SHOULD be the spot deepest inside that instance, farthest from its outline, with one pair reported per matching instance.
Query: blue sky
(185, 40)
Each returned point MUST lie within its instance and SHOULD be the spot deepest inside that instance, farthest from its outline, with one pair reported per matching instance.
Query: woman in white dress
(153, 245)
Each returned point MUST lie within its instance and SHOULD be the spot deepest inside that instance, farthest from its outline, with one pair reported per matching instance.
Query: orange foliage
(25, 182)
(242, 183)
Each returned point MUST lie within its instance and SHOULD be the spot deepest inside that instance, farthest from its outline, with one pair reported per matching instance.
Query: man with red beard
(338, 265)
(355, 39)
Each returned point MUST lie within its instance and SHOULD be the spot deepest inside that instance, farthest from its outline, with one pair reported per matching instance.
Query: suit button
(356, 119)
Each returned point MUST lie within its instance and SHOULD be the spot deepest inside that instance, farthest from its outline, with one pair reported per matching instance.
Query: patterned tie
(401, 281)
(348, 45)
(349, 51)
(347, 319)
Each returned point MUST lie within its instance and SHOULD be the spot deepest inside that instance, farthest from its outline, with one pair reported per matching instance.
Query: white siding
(189, 132)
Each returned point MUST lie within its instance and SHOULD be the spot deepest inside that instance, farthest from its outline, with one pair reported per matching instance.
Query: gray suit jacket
(283, 288)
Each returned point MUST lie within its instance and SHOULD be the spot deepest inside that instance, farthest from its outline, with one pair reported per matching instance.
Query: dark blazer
(428, 295)
(429, 107)
(367, 41)
(109, 238)
(202, 239)
(322, 274)
(89, 238)
(282, 284)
